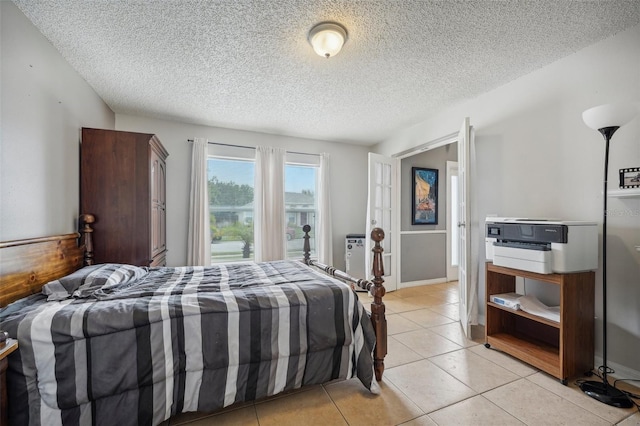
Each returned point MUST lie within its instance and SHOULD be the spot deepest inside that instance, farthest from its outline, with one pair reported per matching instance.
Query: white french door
(381, 213)
(464, 227)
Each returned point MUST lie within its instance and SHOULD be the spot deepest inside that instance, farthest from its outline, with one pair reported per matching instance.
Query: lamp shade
(327, 38)
(610, 115)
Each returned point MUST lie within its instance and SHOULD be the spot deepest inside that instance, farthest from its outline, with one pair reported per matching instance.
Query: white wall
(536, 158)
(348, 176)
(44, 104)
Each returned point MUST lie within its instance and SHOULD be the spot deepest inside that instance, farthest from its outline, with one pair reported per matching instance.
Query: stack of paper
(532, 305)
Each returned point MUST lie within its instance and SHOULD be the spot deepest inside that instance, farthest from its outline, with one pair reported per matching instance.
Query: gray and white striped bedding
(181, 339)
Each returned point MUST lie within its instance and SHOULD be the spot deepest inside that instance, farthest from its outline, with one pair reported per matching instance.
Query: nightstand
(11, 345)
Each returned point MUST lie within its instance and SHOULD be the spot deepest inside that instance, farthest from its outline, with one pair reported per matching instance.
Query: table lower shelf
(535, 353)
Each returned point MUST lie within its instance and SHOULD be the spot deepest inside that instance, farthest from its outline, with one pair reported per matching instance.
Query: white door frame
(452, 170)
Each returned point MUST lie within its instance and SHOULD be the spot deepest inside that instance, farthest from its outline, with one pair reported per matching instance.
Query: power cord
(630, 395)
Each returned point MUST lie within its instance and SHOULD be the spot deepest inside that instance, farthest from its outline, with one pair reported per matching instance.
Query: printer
(544, 246)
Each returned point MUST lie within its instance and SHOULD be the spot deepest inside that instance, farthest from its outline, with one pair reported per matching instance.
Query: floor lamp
(607, 119)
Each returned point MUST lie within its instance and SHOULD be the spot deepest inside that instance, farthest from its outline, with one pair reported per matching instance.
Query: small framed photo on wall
(630, 177)
(424, 196)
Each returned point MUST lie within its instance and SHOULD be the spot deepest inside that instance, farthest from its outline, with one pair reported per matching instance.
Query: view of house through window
(231, 185)
(300, 205)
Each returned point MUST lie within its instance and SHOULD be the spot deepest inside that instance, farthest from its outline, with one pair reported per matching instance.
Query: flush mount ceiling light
(327, 38)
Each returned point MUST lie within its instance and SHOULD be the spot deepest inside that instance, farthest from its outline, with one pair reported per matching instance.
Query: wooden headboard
(27, 265)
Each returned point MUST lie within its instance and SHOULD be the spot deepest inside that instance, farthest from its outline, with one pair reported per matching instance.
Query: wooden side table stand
(563, 349)
(11, 345)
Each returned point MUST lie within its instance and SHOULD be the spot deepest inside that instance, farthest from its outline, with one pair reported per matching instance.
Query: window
(231, 208)
(300, 206)
(231, 185)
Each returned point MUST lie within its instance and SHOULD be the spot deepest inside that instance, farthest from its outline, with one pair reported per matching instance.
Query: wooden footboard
(375, 287)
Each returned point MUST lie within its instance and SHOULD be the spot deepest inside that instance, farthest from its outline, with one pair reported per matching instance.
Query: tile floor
(433, 376)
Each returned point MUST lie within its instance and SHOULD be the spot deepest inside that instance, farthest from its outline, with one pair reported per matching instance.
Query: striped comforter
(169, 340)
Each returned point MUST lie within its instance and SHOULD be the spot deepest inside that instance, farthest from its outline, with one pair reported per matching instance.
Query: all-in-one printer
(544, 246)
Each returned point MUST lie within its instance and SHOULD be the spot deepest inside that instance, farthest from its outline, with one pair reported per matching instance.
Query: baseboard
(421, 282)
(621, 372)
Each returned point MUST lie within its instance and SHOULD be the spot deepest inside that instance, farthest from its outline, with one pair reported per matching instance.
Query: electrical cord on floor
(628, 393)
(599, 373)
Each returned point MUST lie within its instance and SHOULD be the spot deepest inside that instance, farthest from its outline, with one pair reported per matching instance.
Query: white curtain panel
(198, 239)
(324, 231)
(269, 213)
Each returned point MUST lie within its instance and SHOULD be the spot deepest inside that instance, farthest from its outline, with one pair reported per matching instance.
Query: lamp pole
(607, 132)
(604, 392)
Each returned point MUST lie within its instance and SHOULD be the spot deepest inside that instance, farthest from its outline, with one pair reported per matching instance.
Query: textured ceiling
(247, 64)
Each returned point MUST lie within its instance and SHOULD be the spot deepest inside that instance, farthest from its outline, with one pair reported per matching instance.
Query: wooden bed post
(86, 238)
(374, 287)
(378, 318)
(306, 246)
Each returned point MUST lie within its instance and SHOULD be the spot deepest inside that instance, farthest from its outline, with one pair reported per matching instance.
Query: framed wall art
(630, 177)
(424, 196)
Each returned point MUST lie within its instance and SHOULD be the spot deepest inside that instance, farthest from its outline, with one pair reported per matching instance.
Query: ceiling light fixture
(327, 38)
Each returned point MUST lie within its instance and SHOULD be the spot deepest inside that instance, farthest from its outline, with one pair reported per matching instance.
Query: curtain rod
(250, 147)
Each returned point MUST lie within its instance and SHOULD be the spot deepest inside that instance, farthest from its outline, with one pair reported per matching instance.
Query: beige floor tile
(447, 296)
(426, 301)
(398, 354)
(360, 407)
(413, 291)
(449, 310)
(401, 305)
(451, 285)
(239, 417)
(534, 405)
(473, 411)
(512, 364)
(474, 371)
(631, 421)
(453, 331)
(313, 407)
(396, 324)
(426, 343)
(572, 393)
(427, 385)
(426, 318)
(420, 421)
(390, 295)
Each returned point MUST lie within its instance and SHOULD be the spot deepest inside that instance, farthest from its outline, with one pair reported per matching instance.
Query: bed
(120, 344)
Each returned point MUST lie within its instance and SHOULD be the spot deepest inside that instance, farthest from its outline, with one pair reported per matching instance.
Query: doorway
(424, 250)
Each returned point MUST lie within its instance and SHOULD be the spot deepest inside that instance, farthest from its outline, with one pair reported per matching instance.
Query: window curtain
(324, 231)
(198, 236)
(268, 196)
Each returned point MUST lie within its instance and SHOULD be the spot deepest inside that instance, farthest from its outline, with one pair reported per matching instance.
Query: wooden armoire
(123, 184)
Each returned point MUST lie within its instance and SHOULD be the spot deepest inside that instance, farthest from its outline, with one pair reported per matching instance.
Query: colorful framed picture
(424, 196)
(630, 177)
